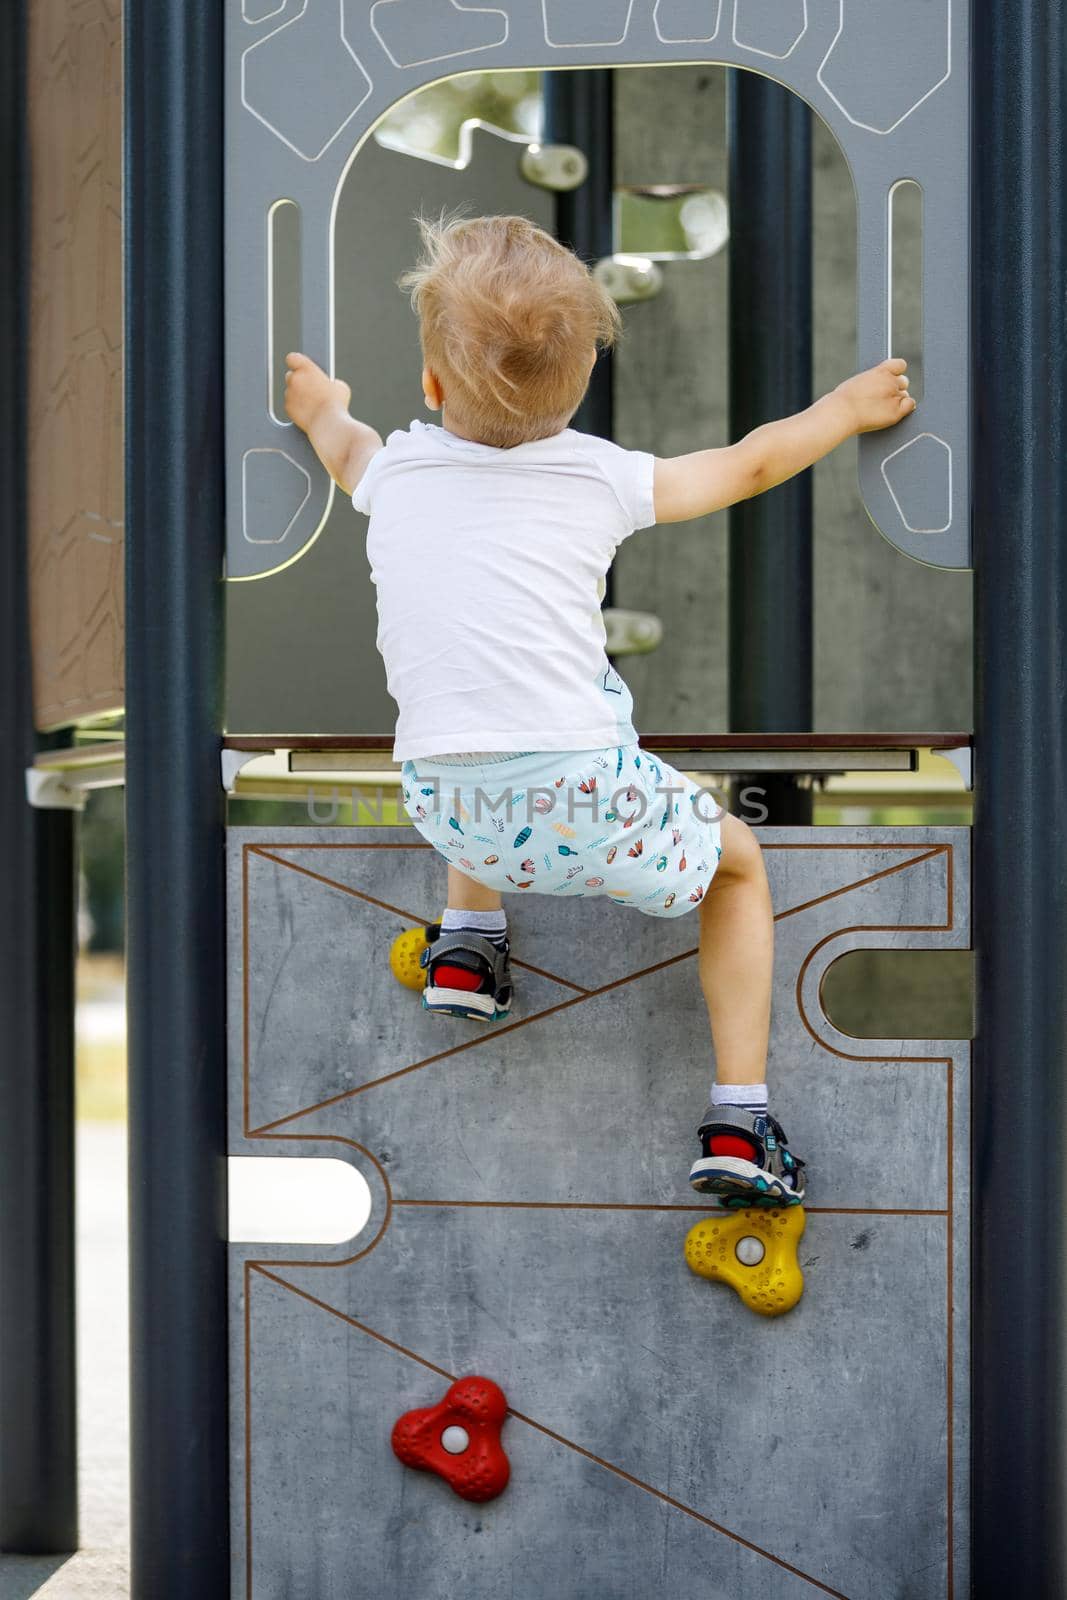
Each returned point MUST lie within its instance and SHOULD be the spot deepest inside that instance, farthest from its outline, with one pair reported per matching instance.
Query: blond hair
(508, 319)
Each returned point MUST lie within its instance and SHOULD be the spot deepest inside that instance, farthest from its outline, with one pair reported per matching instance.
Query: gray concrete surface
(100, 1569)
(529, 1204)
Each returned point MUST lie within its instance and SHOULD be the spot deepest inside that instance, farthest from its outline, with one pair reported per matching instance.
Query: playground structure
(922, 1449)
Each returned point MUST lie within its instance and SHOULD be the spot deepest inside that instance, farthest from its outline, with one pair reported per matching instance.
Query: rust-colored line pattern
(594, 1205)
(384, 905)
(583, 994)
(559, 1438)
(911, 856)
(74, 415)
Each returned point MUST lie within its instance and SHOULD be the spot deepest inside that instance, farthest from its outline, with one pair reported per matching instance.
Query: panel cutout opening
(901, 994)
(671, 221)
(296, 1200)
(906, 279)
(430, 122)
(285, 328)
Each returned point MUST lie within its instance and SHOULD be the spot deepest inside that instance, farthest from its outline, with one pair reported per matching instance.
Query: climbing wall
(529, 1209)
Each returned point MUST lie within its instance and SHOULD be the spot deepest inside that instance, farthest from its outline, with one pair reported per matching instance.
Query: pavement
(266, 1204)
(100, 1569)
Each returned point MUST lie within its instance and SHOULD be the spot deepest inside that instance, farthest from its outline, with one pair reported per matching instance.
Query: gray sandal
(467, 975)
(756, 1168)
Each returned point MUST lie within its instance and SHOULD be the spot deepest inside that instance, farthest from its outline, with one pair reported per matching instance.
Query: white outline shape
(466, 145)
(866, 126)
(468, 50)
(892, 457)
(466, 150)
(960, 908)
(269, 125)
(588, 44)
(254, 22)
(270, 450)
(704, 39)
(276, 205)
(755, 50)
(890, 256)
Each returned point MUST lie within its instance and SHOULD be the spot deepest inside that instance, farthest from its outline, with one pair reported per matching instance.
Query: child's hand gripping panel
(755, 1252)
(459, 1439)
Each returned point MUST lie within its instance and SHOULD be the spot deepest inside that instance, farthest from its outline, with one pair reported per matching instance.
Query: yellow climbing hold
(404, 958)
(755, 1252)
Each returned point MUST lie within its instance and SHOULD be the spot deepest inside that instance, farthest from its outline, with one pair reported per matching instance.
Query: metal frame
(176, 973)
(580, 111)
(1019, 334)
(770, 590)
(38, 1467)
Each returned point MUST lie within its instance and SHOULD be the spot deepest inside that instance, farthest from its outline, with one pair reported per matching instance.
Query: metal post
(770, 596)
(174, 803)
(38, 1465)
(1019, 334)
(580, 110)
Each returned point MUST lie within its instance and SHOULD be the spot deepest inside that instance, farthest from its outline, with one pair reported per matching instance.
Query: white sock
(749, 1096)
(493, 924)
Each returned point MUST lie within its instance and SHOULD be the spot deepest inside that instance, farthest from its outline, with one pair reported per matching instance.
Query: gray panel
(893, 640)
(299, 642)
(349, 64)
(892, 637)
(529, 1207)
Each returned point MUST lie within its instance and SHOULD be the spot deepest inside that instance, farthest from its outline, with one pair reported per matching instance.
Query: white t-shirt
(488, 565)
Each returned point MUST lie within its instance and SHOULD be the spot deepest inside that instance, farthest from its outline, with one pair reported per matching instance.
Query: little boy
(489, 540)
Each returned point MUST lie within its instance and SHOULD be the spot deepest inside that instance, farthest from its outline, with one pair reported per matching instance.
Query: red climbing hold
(459, 1439)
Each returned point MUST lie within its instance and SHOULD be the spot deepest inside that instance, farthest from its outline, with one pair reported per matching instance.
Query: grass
(99, 1063)
(100, 1082)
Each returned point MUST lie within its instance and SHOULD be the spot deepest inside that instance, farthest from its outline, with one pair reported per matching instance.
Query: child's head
(510, 321)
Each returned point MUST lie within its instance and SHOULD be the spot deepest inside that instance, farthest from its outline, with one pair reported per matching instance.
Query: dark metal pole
(580, 110)
(38, 1464)
(174, 154)
(770, 595)
(1019, 341)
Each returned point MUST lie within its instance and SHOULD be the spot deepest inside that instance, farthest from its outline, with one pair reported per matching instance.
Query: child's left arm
(319, 405)
(709, 480)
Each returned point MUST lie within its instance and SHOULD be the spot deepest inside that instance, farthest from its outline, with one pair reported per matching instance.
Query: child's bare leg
(464, 894)
(744, 1159)
(737, 956)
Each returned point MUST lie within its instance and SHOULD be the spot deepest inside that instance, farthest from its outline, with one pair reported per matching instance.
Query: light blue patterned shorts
(613, 822)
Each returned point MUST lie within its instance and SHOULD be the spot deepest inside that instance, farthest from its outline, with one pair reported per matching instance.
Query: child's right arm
(319, 404)
(693, 485)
